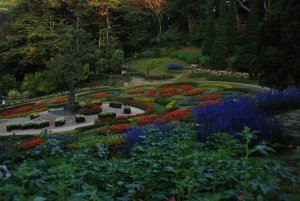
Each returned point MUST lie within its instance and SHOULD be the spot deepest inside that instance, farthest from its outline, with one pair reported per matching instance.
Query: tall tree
(231, 27)
(219, 52)
(253, 25)
(157, 7)
(209, 31)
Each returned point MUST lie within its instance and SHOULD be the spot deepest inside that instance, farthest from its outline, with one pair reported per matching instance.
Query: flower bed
(27, 125)
(79, 118)
(99, 95)
(151, 93)
(209, 102)
(174, 66)
(114, 129)
(23, 110)
(208, 97)
(24, 145)
(59, 101)
(60, 121)
(104, 115)
(193, 92)
(136, 91)
(90, 109)
(164, 117)
(115, 104)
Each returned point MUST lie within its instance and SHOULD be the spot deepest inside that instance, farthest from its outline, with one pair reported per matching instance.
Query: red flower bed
(146, 120)
(164, 117)
(114, 129)
(193, 92)
(186, 88)
(210, 102)
(25, 145)
(151, 93)
(174, 115)
(22, 110)
(99, 95)
(59, 100)
(136, 91)
(90, 108)
(208, 97)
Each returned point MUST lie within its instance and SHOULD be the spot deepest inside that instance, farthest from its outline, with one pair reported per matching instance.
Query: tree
(117, 60)
(37, 83)
(8, 82)
(219, 52)
(209, 31)
(253, 25)
(231, 27)
(157, 7)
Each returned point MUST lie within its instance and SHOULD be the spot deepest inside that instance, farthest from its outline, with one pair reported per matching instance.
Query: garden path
(69, 125)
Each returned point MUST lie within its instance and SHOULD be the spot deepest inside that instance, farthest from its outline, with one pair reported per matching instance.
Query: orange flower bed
(193, 92)
(151, 93)
(114, 129)
(25, 145)
(208, 97)
(23, 110)
(59, 100)
(99, 95)
(146, 120)
(136, 91)
(210, 102)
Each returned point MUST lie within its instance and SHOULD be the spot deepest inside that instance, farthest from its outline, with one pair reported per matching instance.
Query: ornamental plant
(23, 110)
(127, 109)
(193, 92)
(114, 129)
(208, 97)
(90, 109)
(108, 114)
(27, 125)
(59, 100)
(115, 104)
(174, 66)
(60, 121)
(79, 118)
(34, 115)
(136, 91)
(151, 93)
(99, 95)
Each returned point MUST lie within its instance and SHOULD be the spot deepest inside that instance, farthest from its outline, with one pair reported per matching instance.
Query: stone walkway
(69, 125)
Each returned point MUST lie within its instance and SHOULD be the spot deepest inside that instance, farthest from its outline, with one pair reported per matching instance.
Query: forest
(42, 41)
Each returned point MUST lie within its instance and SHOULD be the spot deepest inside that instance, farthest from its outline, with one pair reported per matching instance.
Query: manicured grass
(156, 65)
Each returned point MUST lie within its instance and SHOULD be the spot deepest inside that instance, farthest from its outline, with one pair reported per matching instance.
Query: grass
(156, 65)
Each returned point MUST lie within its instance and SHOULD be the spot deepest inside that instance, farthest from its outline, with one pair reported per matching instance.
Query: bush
(90, 109)
(34, 115)
(171, 105)
(159, 76)
(79, 118)
(162, 101)
(104, 115)
(115, 104)
(150, 53)
(143, 100)
(60, 121)
(127, 110)
(27, 125)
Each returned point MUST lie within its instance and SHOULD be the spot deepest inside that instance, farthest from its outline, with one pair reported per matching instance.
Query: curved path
(140, 81)
(69, 125)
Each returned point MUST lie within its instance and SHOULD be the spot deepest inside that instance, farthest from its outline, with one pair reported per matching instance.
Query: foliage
(219, 50)
(209, 30)
(8, 82)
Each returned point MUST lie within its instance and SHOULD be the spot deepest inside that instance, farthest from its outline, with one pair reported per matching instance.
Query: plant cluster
(27, 125)
(34, 115)
(193, 92)
(23, 110)
(136, 91)
(59, 100)
(174, 66)
(127, 109)
(60, 121)
(115, 104)
(79, 118)
(104, 115)
(90, 109)
(114, 129)
(99, 95)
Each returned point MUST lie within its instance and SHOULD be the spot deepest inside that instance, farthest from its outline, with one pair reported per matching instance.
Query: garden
(192, 140)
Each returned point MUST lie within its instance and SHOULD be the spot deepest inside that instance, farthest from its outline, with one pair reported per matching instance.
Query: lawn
(156, 65)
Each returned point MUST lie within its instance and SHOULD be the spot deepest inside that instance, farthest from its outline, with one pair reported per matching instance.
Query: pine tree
(219, 52)
(253, 25)
(231, 27)
(209, 31)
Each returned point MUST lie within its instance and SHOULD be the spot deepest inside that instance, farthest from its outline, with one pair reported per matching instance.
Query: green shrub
(163, 101)
(159, 76)
(150, 53)
(143, 99)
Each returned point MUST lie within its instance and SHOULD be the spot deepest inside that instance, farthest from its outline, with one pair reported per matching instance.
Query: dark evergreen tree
(231, 27)
(209, 31)
(219, 52)
(253, 25)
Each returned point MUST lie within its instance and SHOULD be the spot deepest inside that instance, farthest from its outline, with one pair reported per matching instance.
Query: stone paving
(69, 125)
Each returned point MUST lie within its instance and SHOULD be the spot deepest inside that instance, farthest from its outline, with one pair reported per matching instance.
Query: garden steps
(51, 118)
